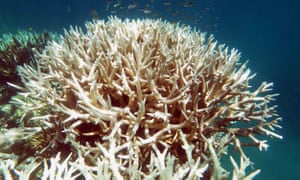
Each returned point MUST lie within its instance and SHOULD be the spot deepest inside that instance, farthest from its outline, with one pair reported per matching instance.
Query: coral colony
(16, 50)
(136, 99)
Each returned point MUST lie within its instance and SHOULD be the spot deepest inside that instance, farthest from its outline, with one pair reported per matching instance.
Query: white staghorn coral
(140, 99)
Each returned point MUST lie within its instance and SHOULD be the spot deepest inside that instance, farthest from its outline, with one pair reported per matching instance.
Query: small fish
(146, 10)
(189, 4)
(108, 4)
(117, 4)
(132, 6)
(167, 3)
(198, 16)
(175, 13)
(94, 13)
(206, 10)
(155, 14)
(69, 8)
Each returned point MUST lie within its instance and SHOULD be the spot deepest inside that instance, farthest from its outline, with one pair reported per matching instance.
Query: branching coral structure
(16, 49)
(137, 99)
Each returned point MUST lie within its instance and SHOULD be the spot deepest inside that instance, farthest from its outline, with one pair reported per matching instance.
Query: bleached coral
(16, 49)
(141, 99)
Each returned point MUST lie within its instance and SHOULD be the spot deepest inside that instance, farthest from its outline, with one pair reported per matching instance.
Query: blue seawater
(265, 31)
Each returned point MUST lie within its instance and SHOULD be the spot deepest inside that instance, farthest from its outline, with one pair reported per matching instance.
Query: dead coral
(145, 98)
